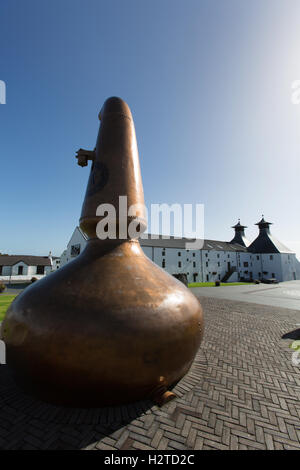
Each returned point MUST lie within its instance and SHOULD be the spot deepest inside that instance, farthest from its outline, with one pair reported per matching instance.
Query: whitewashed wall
(268, 265)
(199, 265)
(76, 239)
(289, 266)
(6, 270)
(15, 268)
(55, 264)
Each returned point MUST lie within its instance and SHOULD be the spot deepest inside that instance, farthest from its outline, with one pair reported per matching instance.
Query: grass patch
(5, 301)
(212, 284)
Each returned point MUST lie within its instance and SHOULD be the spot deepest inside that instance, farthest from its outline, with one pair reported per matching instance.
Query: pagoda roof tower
(239, 236)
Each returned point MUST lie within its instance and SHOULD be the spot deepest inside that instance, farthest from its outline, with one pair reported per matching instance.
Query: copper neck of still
(114, 193)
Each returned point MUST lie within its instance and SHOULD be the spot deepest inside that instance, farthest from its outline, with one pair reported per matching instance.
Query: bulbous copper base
(108, 328)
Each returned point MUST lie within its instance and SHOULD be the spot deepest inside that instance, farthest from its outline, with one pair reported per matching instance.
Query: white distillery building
(232, 261)
(15, 269)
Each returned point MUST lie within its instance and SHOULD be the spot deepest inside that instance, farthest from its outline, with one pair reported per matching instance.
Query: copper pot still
(109, 327)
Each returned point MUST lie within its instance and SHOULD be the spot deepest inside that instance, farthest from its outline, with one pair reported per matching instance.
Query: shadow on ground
(295, 334)
(26, 423)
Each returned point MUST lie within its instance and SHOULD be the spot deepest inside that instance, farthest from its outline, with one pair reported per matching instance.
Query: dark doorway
(41, 269)
(228, 266)
(20, 270)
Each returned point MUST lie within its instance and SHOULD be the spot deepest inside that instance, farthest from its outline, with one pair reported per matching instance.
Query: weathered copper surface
(109, 327)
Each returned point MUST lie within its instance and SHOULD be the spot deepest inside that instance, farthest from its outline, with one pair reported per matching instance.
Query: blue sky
(209, 86)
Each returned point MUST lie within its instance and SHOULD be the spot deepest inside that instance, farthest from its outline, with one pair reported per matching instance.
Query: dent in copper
(110, 327)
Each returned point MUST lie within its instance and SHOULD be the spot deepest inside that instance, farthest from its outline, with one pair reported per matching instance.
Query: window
(194, 254)
(179, 264)
(246, 264)
(273, 274)
(75, 250)
(206, 255)
(40, 269)
(20, 270)
(206, 264)
(218, 256)
(163, 253)
(179, 253)
(271, 257)
(194, 264)
(257, 257)
(228, 256)
(163, 264)
(219, 264)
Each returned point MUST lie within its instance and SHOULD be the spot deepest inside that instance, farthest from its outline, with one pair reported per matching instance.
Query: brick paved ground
(241, 393)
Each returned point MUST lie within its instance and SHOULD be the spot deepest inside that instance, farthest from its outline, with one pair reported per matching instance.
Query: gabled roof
(180, 243)
(11, 260)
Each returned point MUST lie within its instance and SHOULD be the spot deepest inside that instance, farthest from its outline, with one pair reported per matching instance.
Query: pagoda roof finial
(238, 225)
(263, 222)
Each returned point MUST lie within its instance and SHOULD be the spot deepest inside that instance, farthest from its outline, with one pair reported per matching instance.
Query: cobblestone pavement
(241, 393)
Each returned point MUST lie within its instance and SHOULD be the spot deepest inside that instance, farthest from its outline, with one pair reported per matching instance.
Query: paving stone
(242, 392)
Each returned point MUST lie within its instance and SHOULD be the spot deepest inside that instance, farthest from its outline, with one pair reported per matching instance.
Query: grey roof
(10, 260)
(265, 242)
(240, 239)
(176, 242)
